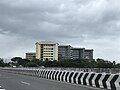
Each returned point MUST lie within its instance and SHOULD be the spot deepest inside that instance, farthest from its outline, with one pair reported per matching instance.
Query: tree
(23, 62)
(2, 64)
(16, 59)
(19, 61)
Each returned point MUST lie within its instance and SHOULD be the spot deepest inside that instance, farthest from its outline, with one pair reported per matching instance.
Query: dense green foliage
(2, 64)
(98, 63)
(18, 61)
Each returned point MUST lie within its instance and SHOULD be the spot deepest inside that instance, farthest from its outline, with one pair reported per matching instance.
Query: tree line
(78, 63)
(2, 63)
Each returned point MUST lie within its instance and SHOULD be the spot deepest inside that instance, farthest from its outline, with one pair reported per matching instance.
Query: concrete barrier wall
(99, 80)
(97, 70)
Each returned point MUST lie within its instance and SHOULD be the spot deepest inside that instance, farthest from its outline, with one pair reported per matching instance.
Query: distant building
(77, 53)
(88, 54)
(30, 56)
(46, 50)
(64, 52)
(68, 52)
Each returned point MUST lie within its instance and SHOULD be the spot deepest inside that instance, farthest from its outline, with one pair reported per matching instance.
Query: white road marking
(1, 88)
(25, 83)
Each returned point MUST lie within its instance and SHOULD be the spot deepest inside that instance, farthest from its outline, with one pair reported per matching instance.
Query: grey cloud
(77, 22)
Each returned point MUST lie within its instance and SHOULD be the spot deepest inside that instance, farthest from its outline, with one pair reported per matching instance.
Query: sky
(92, 24)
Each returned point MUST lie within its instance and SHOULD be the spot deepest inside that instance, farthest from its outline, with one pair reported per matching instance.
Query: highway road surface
(10, 81)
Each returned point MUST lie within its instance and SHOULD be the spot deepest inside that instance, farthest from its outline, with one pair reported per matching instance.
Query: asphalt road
(10, 81)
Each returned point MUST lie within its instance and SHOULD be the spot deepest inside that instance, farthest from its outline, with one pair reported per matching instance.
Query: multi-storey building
(81, 53)
(64, 52)
(30, 55)
(46, 50)
(77, 53)
(68, 52)
(88, 54)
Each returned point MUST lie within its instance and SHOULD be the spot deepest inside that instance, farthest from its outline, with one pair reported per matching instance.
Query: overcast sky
(93, 24)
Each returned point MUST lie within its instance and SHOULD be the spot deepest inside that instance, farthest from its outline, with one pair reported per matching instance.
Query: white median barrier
(99, 80)
(117, 83)
(89, 79)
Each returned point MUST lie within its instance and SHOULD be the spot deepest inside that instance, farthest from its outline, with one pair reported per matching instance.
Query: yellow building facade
(46, 51)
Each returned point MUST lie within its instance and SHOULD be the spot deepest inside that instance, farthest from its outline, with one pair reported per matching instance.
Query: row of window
(47, 56)
(48, 45)
(48, 48)
(48, 53)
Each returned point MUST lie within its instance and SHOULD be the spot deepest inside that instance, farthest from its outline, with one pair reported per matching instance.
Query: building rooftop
(78, 48)
(65, 45)
(88, 49)
(46, 42)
